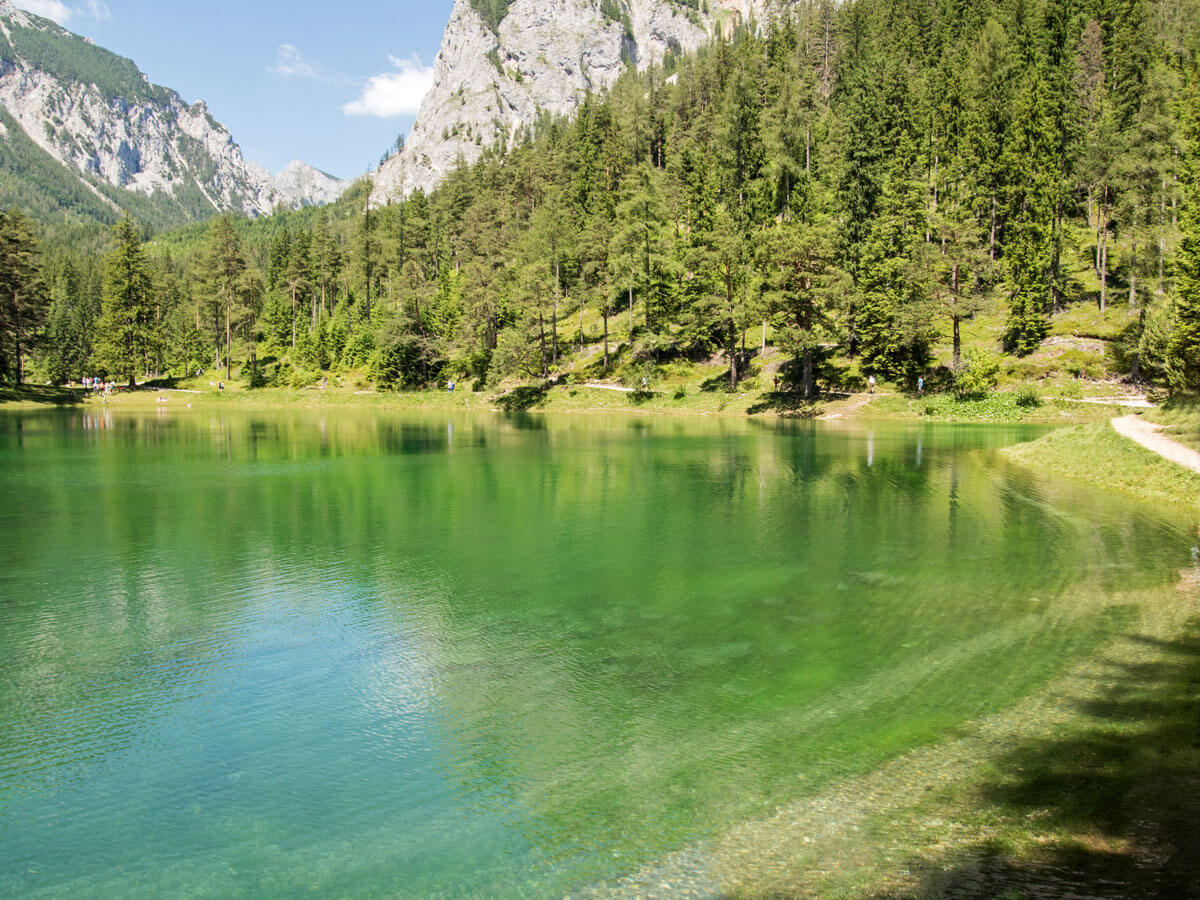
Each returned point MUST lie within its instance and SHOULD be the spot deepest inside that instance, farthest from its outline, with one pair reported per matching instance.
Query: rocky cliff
(500, 67)
(97, 115)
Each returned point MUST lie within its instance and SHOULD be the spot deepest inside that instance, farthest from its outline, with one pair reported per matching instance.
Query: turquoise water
(394, 654)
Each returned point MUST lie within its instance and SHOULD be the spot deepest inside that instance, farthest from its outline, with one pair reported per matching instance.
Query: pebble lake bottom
(431, 654)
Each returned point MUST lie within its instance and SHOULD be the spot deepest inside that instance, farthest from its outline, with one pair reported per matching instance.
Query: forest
(851, 184)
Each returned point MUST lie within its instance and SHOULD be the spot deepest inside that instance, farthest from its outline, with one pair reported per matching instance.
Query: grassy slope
(1182, 421)
(1097, 455)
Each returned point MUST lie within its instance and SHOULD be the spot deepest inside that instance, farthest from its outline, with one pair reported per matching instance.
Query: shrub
(1027, 397)
(976, 376)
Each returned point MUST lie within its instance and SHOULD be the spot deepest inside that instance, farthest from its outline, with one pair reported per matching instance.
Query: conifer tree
(1183, 350)
(24, 299)
(126, 337)
(799, 255)
(226, 278)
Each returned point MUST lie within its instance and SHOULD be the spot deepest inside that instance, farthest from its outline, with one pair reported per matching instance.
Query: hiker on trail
(871, 384)
(920, 384)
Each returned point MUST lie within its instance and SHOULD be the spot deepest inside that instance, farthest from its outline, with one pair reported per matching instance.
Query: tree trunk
(992, 235)
(733, 366)
(228, 337)
(542, 344)
(807, 368)
(1135, 369)
(631, 306)
(1162, 237)
(554, 315)
(1056, 261)
(604, 314)
(957, 342)
(1133, 275)
(1104, 254)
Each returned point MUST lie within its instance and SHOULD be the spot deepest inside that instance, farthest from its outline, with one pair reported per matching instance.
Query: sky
(332, 84)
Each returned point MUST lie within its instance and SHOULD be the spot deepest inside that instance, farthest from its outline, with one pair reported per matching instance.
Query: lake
(381, 653)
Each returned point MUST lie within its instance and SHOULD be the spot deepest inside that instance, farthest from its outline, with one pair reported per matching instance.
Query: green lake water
(386, 654)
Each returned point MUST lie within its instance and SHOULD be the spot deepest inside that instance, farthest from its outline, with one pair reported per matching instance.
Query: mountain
(504, 63)
(85, 135)
(302, 185)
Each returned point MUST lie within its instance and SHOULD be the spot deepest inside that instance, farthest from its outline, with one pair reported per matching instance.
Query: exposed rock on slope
(542, 56)
(302, 185)
(98, 115)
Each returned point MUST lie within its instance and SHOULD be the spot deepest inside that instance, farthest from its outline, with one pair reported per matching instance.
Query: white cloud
(51, 9)
(291, 63)
(61, 13)
(393, 94)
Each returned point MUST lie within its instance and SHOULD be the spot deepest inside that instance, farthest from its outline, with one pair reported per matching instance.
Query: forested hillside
(851, 188)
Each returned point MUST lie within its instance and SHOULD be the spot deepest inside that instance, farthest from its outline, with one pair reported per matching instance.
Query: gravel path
(1148, 435)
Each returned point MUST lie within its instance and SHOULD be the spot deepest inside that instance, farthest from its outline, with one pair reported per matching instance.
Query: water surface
(376, 653)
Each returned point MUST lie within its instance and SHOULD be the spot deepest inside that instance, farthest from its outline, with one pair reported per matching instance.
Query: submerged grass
(1086, 788)
(1097, 455)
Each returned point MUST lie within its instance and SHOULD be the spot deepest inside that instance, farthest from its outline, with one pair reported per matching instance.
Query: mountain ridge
(117, 134)
(500, 67)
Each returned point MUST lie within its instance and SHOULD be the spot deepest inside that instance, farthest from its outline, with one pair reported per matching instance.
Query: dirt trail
(1148, 435)
(854, 403)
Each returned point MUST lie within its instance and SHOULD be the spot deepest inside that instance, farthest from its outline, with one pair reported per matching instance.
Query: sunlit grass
(1097, 455)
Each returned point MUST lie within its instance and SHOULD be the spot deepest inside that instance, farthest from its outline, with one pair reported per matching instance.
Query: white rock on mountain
(544, 56)
(98, 115)
(303, 185)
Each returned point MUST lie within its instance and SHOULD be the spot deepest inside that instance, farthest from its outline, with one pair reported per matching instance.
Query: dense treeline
(858, 180)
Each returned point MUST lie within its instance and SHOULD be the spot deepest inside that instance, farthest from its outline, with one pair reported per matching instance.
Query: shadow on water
(1114, 804)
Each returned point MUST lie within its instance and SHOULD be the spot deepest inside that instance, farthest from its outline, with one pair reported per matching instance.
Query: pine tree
(799, 256)
(227, 279)
(24, 299)
(1183, 350)
(126, 337)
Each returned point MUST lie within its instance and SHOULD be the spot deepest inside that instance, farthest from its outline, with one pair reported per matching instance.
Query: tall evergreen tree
(227, 279)
(24, 299)
(126, 337)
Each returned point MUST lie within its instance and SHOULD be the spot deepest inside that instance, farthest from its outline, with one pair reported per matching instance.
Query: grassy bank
(1097, 455)
(696, 395)
(1181, 421)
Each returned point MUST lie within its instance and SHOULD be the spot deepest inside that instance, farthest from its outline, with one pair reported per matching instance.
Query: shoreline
(1083, 446)
(1000, 408)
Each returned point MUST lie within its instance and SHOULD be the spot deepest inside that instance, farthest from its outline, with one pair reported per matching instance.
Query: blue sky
(333, 84)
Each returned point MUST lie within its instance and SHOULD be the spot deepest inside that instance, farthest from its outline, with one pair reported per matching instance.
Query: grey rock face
(544, 56)
(302, 185)
(100, 116)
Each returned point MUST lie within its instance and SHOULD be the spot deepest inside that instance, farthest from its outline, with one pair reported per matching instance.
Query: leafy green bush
(1027, 398)
(1005, 407)
(976, 376)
